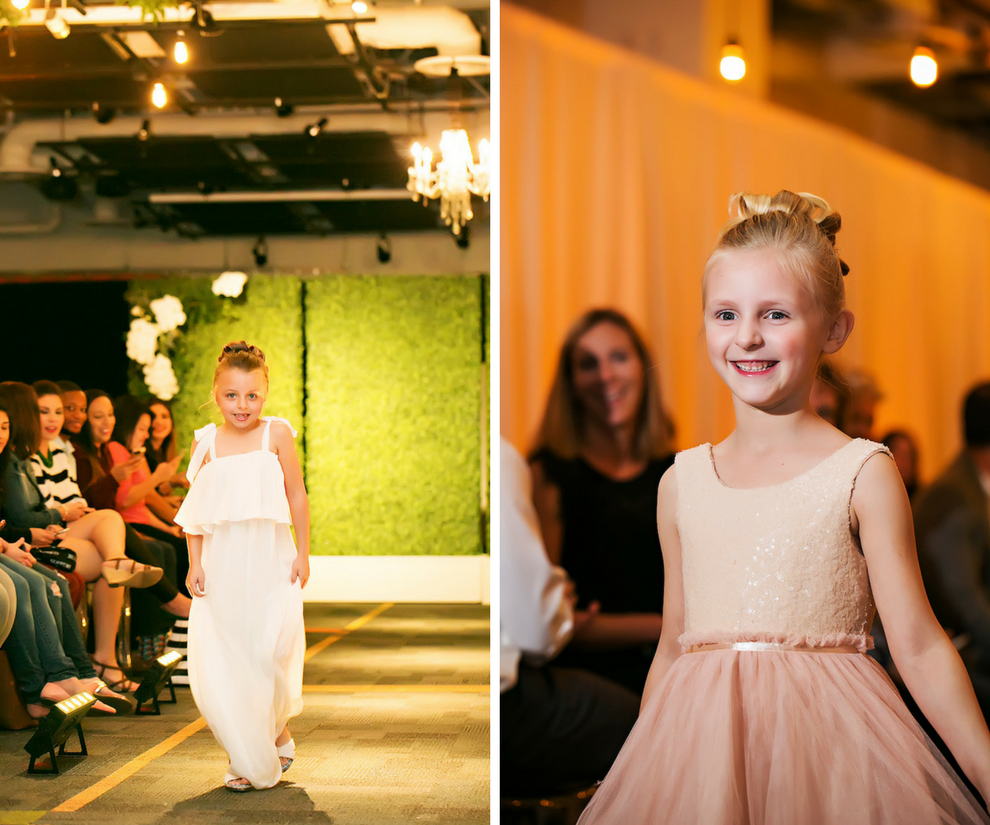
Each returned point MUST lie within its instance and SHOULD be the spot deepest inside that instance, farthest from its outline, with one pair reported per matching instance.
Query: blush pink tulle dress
(777, 736)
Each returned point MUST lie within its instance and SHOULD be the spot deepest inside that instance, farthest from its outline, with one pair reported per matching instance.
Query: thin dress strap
(264, 435)
(205, 438)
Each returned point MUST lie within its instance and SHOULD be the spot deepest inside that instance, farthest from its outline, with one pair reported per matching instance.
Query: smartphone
(139, 451)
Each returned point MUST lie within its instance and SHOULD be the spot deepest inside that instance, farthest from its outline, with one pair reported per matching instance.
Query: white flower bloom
(168, 312)
(229, 284)
(136, 311)
(160, 378)
(142, 341)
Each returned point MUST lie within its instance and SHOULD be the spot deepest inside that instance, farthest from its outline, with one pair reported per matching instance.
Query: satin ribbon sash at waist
(772, 646)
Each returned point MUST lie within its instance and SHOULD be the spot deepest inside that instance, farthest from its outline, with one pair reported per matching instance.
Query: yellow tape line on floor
(94, 791)
(132, 767)
(397, 688)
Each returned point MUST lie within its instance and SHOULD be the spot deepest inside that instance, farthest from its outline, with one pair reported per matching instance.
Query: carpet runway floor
(395, 730)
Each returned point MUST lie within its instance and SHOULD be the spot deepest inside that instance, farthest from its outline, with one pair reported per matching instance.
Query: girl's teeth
(755, 366)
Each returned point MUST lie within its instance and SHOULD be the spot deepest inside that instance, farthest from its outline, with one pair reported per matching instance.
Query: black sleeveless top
(610, 544)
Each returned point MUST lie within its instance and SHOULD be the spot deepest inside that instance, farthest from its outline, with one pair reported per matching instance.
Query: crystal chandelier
(456, 177)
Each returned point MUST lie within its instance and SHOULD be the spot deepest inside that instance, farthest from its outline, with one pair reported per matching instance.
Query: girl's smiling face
(101, 420)
(161, 424)
(608, 375)
(52, 417)
(240, 395)
(764, 330)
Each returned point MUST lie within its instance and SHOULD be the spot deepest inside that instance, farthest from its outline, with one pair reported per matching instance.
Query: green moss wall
(268, 314)
(392, 429)
(393, 416)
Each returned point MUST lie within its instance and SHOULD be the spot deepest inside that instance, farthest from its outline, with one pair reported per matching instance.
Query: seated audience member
(129, 437)
(602, 447)
(74, 406)
(952, 525)
(161, 446)
(864, 395)
(559, 726)
(830, 393)
(904, 449)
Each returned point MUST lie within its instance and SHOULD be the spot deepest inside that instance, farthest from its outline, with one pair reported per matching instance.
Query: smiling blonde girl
(780, 543)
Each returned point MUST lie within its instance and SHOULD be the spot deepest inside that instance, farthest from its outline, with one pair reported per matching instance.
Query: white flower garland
(144, 335)
(142, 344)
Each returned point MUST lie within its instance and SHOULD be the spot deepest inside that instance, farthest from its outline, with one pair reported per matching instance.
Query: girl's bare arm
(295, 492)
(669, 648)
(925, 658)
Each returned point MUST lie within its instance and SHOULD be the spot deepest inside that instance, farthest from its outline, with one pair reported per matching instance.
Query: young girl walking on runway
(246, 635)
(760, 706)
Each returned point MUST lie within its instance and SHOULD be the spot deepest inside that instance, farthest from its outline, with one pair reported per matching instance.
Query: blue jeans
(44, 617)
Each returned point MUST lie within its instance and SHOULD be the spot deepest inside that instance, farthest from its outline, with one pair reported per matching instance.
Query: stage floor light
(154, 682)
(62, 719)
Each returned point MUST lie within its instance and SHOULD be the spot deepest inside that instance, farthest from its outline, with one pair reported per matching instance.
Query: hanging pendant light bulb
(159, 96)
(20, 5)
(924, 67)
(733, 63)
(180, 51)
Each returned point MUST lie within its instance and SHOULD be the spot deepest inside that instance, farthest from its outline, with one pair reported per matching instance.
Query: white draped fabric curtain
(615, 177)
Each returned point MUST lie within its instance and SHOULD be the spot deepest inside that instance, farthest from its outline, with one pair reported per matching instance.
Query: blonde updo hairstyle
(801, 229)
(239, 355)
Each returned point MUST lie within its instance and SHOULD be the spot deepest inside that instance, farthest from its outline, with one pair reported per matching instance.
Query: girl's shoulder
(277, 423)
(204, 433)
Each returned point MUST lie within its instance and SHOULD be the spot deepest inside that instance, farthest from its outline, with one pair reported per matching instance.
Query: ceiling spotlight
(20, 5)
(733, 63)
(924, 67)
(314, 129)
(359, 7)
(179, 50)
(260, 251)
(159, 96)
(384, 249)
(57, 26)
(103, 114)
(145, 131)
(283, 109)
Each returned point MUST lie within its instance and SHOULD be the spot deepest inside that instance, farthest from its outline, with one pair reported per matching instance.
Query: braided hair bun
(800, 228)
(239, 355)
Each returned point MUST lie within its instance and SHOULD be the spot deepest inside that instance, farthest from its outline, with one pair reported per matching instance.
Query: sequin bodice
(777, 563)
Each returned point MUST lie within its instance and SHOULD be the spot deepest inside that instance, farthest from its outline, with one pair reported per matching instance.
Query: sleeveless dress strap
(205, 443)
(264, 435)
(269, 419)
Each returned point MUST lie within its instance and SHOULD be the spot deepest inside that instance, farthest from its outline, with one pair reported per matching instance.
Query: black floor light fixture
(154, 682)
(62, 719)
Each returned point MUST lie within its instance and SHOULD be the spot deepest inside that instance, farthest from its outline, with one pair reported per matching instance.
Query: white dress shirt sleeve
(536, 619)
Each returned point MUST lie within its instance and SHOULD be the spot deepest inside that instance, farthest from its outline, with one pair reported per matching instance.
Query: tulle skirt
(779, 738)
